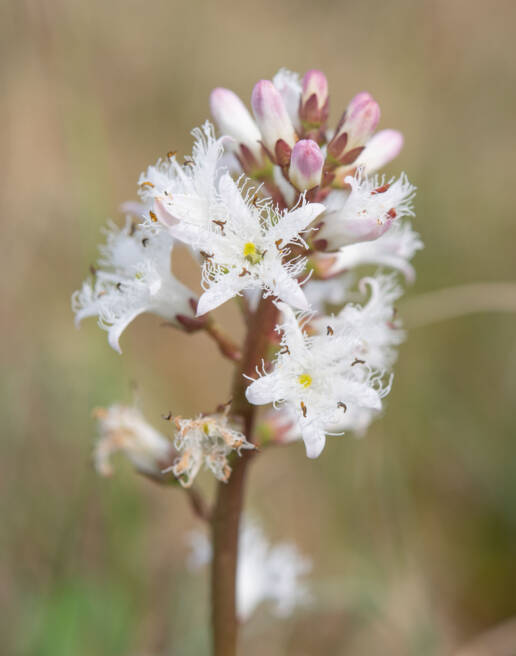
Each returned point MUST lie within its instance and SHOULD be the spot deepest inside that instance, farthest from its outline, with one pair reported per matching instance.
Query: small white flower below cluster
(207, 441)
(265, 572)
(124, 428)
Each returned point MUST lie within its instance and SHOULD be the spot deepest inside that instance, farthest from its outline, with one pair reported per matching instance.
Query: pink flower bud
(355, 128)
(233, 119)
(314, 98)
(306, 165)
(380, 150)
(272, 116)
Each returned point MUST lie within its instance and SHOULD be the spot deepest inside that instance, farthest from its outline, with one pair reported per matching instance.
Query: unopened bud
(355, 128)
(272, 116)
(233, 119)
(306, 165)
(314, 99)
(380, 150)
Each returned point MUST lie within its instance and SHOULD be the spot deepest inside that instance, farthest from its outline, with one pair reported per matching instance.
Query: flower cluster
(265, 573)
(279, 205)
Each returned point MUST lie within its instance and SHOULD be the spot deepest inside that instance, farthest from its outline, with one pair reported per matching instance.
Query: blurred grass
(413, 529)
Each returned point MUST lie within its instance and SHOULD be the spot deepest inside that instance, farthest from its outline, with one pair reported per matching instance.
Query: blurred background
(412, 530)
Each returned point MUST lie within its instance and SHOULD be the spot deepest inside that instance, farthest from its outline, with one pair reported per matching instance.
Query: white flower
(376, 322)
(205, 441)
(264, 572)
(176, 192)
(245, 245)
(319, 378)
(333, 291)
(394, 249)
(368, 211)
(123, 428)
(133, 277)
(289, 86)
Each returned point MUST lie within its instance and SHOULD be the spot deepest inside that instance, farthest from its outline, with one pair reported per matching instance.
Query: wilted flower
(124, 428)
(207, 441)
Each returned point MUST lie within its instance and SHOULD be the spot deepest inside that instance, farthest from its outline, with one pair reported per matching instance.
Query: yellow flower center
(305, 380)
(251, 253)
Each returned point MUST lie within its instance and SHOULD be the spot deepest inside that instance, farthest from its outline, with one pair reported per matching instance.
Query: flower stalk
(229, 501)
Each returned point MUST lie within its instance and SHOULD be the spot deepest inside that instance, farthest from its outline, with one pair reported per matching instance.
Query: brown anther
(255, 200)
(153, 216)
(147, 184)
(278, 244)
(303, 409)
(357, 361)
(329, 330)
(119, 286)
(380, 190)
(342, 405)
(188, 161)
(392, 213)
(221, 224)
(132, 229)
(244, 273)
(145, 241)
(171, 153)
(284, 350)
(206, 256)
(167, 417)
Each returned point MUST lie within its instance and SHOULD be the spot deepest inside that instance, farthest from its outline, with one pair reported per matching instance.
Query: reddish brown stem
(228, 505)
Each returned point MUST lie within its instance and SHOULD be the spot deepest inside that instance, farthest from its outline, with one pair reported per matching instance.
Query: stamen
(380, 190)
(342, 405)
(303, 409)
(357, 361)
(221, 224)
(329, 330)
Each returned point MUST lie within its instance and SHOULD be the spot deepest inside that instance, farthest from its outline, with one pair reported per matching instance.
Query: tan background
(412, 530)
